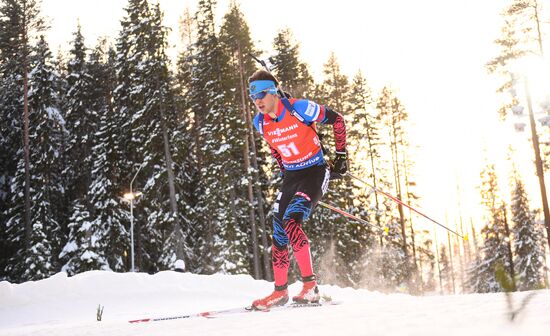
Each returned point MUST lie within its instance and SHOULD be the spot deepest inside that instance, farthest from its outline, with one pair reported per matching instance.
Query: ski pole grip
(259, 61)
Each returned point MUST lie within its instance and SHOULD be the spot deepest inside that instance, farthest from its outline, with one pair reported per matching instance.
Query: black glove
(339, 165)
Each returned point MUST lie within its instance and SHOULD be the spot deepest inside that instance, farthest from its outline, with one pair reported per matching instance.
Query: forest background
(81, 126)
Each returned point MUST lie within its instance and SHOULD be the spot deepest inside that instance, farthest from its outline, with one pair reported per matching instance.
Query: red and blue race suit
(297, 149)
(295, 144)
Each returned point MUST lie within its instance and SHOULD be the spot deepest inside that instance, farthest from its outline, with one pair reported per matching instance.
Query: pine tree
(395, 116)
(132, 104)
(348, 253)
(59, 64)
(46, 127)
(522, 36)
(237, 45)
(161, 120)
(207, 101)
(81, 118)
(502, 65)
(97, 238)
(527, 15)
(131, 46)
(11, 107)
(81, 113)
(426, 261)
(527, 240)
(365, 146)
(446, 269)
(289, 70)
(20, 22)
(482, 277)
(186, 141)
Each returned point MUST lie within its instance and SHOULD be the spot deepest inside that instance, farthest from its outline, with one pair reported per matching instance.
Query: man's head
(263, 91)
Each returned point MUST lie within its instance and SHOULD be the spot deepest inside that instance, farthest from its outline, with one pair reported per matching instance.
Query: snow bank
(64, 305)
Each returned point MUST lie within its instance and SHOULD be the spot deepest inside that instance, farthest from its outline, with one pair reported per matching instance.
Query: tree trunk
(246, 150)
(260, 200)
(508, 240)
(539, 33)
(176, 228)
(259, 195)
(377, 215)
(26, 146)
(460, 259)
(397, 178)
(538, 162)
(409, 201)
(451, 261)
(437, 261)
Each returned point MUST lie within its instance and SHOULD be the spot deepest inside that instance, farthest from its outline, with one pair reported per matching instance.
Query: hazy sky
(432, 52)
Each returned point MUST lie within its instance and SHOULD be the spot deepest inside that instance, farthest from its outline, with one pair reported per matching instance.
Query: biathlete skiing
(295, 145)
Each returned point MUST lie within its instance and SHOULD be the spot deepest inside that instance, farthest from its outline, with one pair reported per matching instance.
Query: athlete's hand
(340, 164)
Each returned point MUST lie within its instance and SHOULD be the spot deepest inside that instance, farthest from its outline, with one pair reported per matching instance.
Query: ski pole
(395, 199)
(362, 221)
(347, 214)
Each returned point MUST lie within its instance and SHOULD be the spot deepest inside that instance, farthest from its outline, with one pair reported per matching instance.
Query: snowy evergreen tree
(207, 101)
(46, 127)
(249, 202)
(160, 117)
(128, 96)
(426, 261)
(482, 277)
(97, 237)
(522, 36)
(394, 117)
(365, 146)
(527, 239)
(131, 105)
(20, 24)
(502, 65)
(289, 69)
(11, 107)
(445, 267)
(186, 139)
(81, 120)
(81, 113)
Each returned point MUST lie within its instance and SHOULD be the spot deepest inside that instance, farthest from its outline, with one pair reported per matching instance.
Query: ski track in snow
(64, 306)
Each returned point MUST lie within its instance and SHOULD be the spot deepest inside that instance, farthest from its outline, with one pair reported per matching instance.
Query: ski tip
(140, 320)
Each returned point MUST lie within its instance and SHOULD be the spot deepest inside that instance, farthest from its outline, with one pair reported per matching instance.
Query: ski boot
(279, 297)
(309, 293)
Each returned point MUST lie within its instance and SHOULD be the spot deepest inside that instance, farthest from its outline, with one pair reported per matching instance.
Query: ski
(240, 310)
(207, 314)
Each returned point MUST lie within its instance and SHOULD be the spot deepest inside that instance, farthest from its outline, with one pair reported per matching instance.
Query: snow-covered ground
(67, 306)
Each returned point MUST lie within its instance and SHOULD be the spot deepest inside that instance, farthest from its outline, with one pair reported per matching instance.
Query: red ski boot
(309, 293)
(279, 297)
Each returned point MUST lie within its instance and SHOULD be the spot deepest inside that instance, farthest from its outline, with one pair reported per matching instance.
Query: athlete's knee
(299, 208)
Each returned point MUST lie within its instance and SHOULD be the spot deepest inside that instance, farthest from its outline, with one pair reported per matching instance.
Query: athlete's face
(267, 104)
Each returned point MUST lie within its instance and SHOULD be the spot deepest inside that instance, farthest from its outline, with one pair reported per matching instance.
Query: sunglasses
(259, 95)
